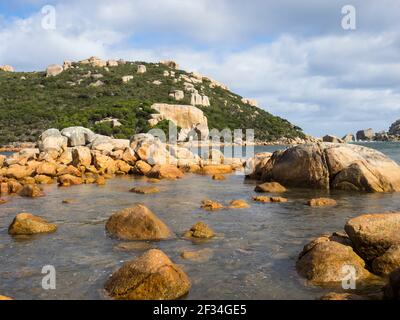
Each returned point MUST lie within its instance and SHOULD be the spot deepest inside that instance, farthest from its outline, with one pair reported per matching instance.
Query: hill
(85, 93)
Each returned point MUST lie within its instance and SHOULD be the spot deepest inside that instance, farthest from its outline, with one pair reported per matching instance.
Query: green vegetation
(31, 103)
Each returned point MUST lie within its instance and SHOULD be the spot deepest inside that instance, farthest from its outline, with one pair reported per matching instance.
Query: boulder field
(76, 155)
(328, 166)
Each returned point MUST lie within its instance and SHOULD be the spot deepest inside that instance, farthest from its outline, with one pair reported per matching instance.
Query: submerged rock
(153, 276)
(137, 223)
(31, 191)
(200, 256)
(218, 177)
(144, 190)
(239, 204)
(216, 169)
(266, 199)
(321, 202)
(165, 172)
(200, 230)
(28, 224)
(270, 187)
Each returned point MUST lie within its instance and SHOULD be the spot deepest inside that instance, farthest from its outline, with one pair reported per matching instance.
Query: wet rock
(153, 276)
(218, 177)
(47, 168)
(5, 298)
(270, 187)
(28, 224)
(14, 186)
(137, 223)
(67, 180)
(68, 201)
(31, 191)
(200, 256)
(200, 230)
(165, 172)
(18, 172)
(100, 181)
(388, 262)
(210, 205)
(266, 199)
(342, 296)
(42, 179)
(216, 169)
(142, 167)
(321, 202)
(323, 262)
(145, 190)
(373, 234)
(133, 246)
(239, 204)
(392, 289)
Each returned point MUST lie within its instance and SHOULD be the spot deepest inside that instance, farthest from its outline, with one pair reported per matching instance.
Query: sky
(293, 56)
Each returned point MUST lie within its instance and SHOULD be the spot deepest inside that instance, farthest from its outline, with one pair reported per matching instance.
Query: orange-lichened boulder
(137, 223)
(153, 276)
(28, 224)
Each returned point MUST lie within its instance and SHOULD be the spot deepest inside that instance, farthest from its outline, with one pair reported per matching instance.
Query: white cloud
(292, 56)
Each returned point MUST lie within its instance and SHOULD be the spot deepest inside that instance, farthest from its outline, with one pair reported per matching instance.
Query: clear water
(254, 254)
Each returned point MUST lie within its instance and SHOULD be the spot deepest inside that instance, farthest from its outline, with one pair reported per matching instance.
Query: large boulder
(153, 276)
(388, 262)
(28, 224)
(336, 166)
(365, 135)
(374, 234)
(137, 223)
(395, 128)
(324, 261)
(52, 139)
(78, 136)
(54, 70)
(6, 68)
(349, 138)
(331, 138)
(81, 156)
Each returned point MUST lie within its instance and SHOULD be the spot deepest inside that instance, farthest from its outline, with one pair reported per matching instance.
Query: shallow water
(254, 254)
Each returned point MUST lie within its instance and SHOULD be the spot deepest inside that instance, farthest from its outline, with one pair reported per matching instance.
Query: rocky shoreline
(77, 156)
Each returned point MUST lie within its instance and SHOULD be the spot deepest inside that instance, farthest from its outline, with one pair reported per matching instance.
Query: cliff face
(89, 92)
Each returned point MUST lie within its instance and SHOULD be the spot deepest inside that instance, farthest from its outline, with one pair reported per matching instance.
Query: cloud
(292, 56)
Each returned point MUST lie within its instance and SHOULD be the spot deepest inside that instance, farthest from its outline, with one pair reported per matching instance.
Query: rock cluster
(371, 243)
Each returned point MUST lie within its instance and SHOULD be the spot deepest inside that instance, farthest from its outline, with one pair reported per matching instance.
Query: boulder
(126, 79)
(52, 139)
(336, 166)
(321, 202)
(365, 135)
(18, 172)
(144, 190)
(47, 168)
(218, 177)
(170, 64)
(6, 68)
(42, 179)
(395, 128)
(31, 191)
(105, 163)
(216, 169)
(324, 262)
(239, 204)
(28, 224)
(270, 187)
(333, 139)
(78, 136)
(251, 102)
(137, 223)
(165, 172)
(177, 95)
(374, 234)
(153, 276)
(5, 297)
(81, 156)
(210, 205)
(112, 63)
(54, 70)
(67, 180)
(200, 230)
(141, 69)
(349, 138)
(214, 155)
(388, 262)
(142, 167)
(333, 296)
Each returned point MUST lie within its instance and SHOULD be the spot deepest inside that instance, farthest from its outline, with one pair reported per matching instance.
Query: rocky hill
(117, 98)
